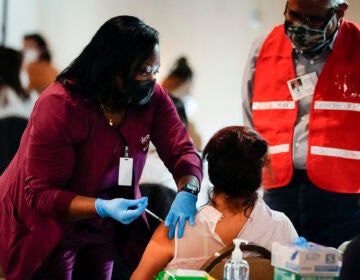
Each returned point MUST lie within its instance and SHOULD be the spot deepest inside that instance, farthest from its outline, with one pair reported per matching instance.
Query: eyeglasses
(312, 21)
(147, 69)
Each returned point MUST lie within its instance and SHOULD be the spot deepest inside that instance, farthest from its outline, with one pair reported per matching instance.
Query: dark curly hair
(236, 156)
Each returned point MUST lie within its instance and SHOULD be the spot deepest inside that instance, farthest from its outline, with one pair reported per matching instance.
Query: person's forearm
(82, 207)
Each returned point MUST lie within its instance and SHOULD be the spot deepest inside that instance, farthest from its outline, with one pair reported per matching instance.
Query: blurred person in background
(154, 170)
(15, 105)
(313, 134)
(178, 82)
(39, 71)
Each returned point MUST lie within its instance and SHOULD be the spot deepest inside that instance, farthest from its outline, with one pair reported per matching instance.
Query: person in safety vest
(313, 131)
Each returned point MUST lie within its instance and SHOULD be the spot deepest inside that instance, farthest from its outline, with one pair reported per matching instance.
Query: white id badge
(125, 171)
(302, 86)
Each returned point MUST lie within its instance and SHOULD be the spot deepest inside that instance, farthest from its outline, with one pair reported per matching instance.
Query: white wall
(21, 16)
(215, 35)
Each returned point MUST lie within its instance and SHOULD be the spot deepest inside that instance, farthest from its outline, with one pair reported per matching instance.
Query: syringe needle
(155, 216)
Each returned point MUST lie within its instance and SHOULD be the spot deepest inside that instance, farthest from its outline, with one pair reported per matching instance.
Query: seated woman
(236, 156)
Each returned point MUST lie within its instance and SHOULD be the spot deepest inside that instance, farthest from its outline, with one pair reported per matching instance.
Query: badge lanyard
(302, 86)
(126, 165)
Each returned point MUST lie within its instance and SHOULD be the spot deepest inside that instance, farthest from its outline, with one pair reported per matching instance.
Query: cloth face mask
(306, 38)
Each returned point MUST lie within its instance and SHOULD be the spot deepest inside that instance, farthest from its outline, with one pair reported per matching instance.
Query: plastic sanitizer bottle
(236, 268)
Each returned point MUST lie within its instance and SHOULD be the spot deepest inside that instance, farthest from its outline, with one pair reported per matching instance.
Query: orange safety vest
(333, 157)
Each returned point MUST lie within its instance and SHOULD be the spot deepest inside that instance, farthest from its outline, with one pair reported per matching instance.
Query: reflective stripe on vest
(277, 149)
(334, 152)
(273, 105)
(341, 106)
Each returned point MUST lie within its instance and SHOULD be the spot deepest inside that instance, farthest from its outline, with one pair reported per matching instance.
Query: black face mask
(135, 94)
(138, 93)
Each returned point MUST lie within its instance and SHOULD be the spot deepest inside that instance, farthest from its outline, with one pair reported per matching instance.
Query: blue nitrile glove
(300, 241)
(182, 209)
(118, 208)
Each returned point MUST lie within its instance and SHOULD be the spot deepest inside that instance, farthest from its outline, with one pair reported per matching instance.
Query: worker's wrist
(190, 188)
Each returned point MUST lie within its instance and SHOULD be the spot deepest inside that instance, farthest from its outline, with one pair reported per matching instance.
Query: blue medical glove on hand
(123, 210)
(182, 209)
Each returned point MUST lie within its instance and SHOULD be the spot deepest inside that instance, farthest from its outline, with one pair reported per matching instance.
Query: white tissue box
(282, 274)
(312, 259)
